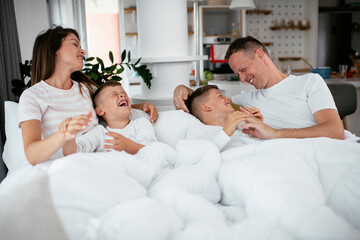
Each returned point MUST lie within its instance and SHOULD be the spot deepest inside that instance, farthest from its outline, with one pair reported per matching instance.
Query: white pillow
(171, 126)
(14, 155)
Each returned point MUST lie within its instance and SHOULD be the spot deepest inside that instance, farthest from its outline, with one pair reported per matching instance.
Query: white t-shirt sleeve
(92, 141)
(214, 134)
(136, 113)
(319, 96)
(145, 133)
(29, 107)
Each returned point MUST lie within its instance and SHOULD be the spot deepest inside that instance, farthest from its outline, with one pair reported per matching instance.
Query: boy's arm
(91, 141)
(145, 132)
(121, 143)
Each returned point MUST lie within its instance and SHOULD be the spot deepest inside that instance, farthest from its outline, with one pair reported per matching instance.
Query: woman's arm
(148, 108)
(37, 150)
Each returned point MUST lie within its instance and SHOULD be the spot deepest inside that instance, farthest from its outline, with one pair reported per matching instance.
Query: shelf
(267, 43)
(130, 34)
(259, 11)
(224, 35)
(339, 9)
(153, 60)
(288, 27)
(130, 10)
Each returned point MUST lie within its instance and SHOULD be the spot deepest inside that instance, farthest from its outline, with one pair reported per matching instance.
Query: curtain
(10, 57)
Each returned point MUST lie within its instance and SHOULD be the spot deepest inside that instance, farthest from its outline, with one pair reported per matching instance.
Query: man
(293, 106)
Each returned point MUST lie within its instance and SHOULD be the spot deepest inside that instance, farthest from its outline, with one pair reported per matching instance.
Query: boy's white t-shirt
(219, 137)
(139, 130)
(291, 103)
(51, 105)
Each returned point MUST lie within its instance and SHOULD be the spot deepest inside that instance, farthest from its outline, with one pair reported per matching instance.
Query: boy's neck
(118, 123)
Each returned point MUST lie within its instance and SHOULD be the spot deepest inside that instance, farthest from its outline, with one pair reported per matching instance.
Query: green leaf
(89, 59)
(111, 57)
(101, 63)
(123, 55)
(113, 67)
(120, 70)
(116, 78)
(129, 56)
(136, 63)
(94, 76)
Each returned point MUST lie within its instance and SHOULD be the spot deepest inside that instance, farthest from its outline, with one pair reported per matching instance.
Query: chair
(345, 99)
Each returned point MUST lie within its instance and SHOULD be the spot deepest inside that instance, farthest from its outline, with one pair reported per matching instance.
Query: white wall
(31, 19)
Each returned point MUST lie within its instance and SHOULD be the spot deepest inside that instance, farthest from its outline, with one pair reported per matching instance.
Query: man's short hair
(95, 96)
(194, 96)
(246, 44)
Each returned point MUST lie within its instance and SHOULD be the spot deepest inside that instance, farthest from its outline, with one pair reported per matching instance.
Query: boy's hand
(254, 111)
(70, 126)
(118, 143)
(151, 110)
(233, 120)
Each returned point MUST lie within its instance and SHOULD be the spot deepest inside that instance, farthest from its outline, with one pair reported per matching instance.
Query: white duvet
(278, 189)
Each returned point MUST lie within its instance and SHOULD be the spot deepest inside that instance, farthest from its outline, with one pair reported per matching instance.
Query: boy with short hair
(211, 107)
(113, 105)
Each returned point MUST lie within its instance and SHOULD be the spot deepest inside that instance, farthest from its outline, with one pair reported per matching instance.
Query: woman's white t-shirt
(51, 105)
(290, 103)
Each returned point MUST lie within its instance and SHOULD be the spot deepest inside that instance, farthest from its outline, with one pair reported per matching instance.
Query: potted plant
(96, 71)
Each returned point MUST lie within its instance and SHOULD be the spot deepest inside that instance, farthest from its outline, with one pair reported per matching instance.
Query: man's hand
(151, 110)
(257, 128)
(181, 94)
(233, 120)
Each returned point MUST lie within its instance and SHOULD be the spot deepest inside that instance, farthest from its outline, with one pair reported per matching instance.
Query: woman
(58, 105)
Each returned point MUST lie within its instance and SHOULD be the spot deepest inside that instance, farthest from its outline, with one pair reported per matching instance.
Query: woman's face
(70, 55)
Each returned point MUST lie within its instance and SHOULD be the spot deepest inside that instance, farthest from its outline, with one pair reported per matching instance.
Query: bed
(182, 188)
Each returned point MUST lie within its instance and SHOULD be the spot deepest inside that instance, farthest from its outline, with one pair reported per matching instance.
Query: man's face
(249, 69)
(218, 102)
(115, 103)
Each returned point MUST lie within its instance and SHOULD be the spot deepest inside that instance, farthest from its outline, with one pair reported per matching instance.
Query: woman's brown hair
(43, 59)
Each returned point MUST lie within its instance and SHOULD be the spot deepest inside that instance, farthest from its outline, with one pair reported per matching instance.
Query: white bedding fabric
(278, 189)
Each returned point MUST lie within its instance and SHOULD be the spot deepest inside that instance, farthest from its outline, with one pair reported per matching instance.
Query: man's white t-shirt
(139, 130)
(291, 103)
(51, 105)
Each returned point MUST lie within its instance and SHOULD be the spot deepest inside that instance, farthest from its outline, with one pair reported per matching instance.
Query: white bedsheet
(279, 189)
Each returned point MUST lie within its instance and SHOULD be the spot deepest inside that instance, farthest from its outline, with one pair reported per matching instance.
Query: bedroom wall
(31, 18)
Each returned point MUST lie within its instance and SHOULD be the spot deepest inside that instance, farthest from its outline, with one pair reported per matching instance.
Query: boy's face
(114, 103)
(218, 102)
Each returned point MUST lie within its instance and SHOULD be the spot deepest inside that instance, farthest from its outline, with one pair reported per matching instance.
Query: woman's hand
(181, 93)
(151, 110)
(70, 126)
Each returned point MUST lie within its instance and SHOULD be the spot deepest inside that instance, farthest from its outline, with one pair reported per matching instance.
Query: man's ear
(205, 108)
(99, 111)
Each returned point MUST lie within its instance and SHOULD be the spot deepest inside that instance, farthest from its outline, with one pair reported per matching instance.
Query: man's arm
(328, 125)
(181, 93)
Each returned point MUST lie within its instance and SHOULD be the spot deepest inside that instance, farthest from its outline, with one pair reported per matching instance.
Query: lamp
(242, 4)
